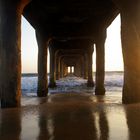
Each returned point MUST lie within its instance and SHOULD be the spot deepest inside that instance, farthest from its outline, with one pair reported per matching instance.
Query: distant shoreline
(35, 74)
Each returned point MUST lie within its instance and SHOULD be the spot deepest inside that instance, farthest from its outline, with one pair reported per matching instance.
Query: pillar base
(52, 85)
(130, 97)
(8, 103)
(90, 84)
(42, 93)
(85, 77)
(57, 76)
(100, 91)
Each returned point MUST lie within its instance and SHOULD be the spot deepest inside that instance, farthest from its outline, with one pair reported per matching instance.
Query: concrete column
(82, 67)
(78, 68)
(130, 36)
(42, 88)
(52, 82)
(90, 82)
(71, 69)
(85, 66)
(61, 68)
(10, 53)
(57, 67)
(100, 64)
(66, 70)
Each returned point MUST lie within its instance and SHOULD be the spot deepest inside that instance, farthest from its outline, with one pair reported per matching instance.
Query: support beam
(70, 69)
(130, 35)
(85, 66)
(52, 83)
(100, 63)
(61, 68)
(90, 82)
(57, 67)
(10, 53)
(42, 89)
(82, 67)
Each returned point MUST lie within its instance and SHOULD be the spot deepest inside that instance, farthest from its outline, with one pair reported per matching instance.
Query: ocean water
(113, 84)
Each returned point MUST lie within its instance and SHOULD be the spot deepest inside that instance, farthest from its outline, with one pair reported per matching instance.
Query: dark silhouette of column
(85, 66)
(90, 82)
(66, 70)
(70, 69)
(52, 82)
(43, 42)
(78, 68)
(10, 53)
(57, 67)
(100, 63)
(130, 36)
(61, 68)
(82, 67)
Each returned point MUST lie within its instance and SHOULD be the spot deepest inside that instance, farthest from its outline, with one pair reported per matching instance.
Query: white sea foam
(113, 82)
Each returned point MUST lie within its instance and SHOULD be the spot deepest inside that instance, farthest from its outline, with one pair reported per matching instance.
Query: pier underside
(70, 30)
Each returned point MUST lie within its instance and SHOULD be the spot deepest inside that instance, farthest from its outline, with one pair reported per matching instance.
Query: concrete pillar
(90, 82)
(61, 68)
(85, 66)
(42, 88)
(130, 36)
(10, 53)
(82, 67)
(78, 68)
(66, 70)
(57, 67)
(100, 63)
(52, 82)
(70, 69)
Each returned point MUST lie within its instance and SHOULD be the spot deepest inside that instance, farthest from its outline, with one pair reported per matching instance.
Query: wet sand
(71, 117)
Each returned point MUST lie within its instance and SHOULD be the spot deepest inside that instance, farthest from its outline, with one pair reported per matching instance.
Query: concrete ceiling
(70, 19)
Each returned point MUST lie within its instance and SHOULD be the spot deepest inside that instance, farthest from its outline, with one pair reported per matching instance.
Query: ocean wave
(113, 82)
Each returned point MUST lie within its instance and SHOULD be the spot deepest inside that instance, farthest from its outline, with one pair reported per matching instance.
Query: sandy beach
(71, 117)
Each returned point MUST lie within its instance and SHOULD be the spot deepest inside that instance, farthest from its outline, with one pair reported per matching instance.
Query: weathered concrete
(61, 68)
(42, 89)
(52, 82)
(130, 35)
(100, 63)
(10, 53)
(85, 66)
(57, 67)
(90, 82)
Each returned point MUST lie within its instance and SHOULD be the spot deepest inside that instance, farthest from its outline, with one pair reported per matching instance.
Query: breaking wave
(113, 82)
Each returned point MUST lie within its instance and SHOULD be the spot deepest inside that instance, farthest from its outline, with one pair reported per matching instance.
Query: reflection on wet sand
(133, 121)
(10, 124)
(71, 117)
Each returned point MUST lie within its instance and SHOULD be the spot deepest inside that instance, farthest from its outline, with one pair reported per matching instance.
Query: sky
(113, 52)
